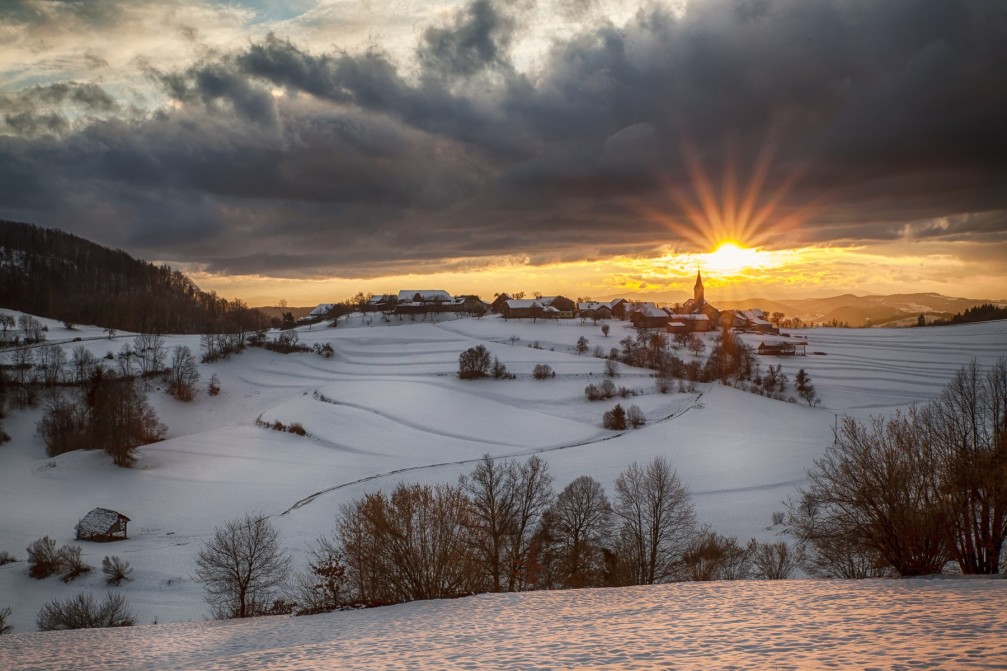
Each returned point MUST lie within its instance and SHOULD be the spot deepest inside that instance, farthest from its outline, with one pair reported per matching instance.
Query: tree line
(500, 528)
(53, 274)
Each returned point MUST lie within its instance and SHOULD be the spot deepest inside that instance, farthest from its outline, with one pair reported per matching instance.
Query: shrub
(474, 363)
(593, 393)
(543, 371)
(72, 562)
(213, 388)
(635, 418)
(297, 428)
(625, 392)
(116, 570)
(611, 368)
(7, 558)
(43, 558)
(581, 345)
(772, 561)
(711, 556)
(500, 371)
(83, 612)
(607, 388)
(614, 419)
(4, 627)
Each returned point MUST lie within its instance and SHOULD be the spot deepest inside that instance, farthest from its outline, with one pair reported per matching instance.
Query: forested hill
(53, 274)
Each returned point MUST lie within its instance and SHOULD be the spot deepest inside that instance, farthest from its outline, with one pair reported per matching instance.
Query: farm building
(102, 524)
(783, 348)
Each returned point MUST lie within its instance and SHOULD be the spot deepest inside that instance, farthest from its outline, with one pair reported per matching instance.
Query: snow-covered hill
(388, 407)
(787, 625)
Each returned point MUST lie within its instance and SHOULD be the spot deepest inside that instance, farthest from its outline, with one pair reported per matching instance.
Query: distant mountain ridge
(50, 273)
(853, 310)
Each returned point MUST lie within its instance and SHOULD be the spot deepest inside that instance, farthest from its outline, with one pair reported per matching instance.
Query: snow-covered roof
(650, 310)
(695, 317)
(426, 295)
(676, 324)
(98, 522)
(322, 310)
(754, 318)
(381, 298)
(522, 303)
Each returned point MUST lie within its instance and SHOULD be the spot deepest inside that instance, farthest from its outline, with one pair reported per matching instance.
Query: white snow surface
(793, 624)
(388, 407)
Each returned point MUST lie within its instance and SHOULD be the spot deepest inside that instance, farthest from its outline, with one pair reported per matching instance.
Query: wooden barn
(102, 524)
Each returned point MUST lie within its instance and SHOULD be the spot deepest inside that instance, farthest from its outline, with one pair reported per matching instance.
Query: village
(695, 315)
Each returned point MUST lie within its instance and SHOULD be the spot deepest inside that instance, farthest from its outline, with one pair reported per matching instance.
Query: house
(755, 320)
(102, 524)
(564, 306)
(782, 348)
(424, 296)
(693, 322)
(381, 303)
(676, 327)
(520, 309)
(321, 311)
(413, 302)
(498, 302)
(649, 316)
(619, 307)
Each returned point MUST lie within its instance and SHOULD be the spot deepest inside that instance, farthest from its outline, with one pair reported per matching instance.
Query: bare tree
(658, 519)
(184, 373)
(410, 545)
(50, 361)
(968, 426)
(874, 495)
(149, 350)
(580, 529)
(82, 363)
(474, 363)
(490, 487)
(241, 566)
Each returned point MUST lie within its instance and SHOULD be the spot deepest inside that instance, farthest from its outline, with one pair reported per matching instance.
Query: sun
(730, 258)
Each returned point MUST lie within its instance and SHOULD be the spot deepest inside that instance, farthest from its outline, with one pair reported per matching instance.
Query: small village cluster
(695, 315)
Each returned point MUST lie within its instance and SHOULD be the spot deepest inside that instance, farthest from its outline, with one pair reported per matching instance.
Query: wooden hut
(102, 524)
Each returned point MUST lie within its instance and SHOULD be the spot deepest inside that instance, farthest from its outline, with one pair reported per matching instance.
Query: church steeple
(697, 295)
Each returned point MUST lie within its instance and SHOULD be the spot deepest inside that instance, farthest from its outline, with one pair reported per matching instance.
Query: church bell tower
(697, 292)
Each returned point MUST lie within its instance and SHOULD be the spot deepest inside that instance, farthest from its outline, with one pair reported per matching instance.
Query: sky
(310, 149)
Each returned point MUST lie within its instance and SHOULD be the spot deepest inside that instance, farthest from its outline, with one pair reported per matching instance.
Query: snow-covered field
(388, 407)
(793, 624)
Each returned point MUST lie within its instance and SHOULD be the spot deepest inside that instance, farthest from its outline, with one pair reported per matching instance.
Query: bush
(297, 428)
(593, 393)
(772, 561)
(607, 388)
(635, 417)
(500, 371)
(7, 558)
(72, 562)
(614, 419)
(4, 627)
(474, 363)
(543, 371)
(83, 612)
(711, 556)
(213, 388)
(116, 570)
(611, 368)
(43, 558)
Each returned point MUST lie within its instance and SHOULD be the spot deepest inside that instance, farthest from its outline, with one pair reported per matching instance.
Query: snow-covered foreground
(388, 407)
(798, 624)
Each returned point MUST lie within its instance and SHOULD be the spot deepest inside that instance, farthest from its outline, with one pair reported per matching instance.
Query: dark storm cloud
(46, 13)
(882, 121)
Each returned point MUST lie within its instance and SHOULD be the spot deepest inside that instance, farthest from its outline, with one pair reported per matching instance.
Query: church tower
(697, 293)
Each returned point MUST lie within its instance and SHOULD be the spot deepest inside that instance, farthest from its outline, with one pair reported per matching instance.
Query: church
(696, 314)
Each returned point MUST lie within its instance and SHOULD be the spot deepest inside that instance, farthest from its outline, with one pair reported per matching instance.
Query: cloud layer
(842, 122)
